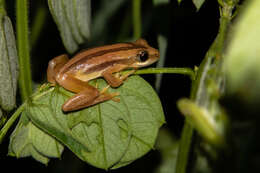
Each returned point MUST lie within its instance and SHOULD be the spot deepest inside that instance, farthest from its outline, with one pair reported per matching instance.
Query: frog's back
(99, 56)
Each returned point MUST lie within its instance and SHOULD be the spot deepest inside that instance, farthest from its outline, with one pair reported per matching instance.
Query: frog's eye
(143, 56)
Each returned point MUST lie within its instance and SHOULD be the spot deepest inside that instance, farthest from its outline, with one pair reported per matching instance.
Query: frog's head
(146, 55)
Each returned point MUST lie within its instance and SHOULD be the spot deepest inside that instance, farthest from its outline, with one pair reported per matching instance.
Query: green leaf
(73, 21)
(243, 54)
(83, 17)
(198, 3)
(8, 64)
(28, 140)
(107, 135)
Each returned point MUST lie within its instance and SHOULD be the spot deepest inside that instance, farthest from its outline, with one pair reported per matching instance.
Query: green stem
(10, 121)
(226, 16)
(184, 147)
(216, 51)
(186, 138)
(2, 3)
(136, 18)
(38, 23)
(162, 44)
(25, 79)
(2, 7)
(177, 70)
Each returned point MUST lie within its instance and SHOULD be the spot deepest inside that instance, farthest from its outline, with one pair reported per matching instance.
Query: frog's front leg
(113, 80)
(86, 96)
(54, 67)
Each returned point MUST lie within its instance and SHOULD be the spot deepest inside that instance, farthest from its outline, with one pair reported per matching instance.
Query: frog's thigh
(54, 66)
(111, 79)
(79, 101)
(86, 94)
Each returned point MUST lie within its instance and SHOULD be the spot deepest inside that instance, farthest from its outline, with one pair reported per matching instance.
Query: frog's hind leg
(54, 66)
(86, 96)
(81, 100)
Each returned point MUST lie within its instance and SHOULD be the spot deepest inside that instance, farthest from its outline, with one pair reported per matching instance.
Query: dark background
(189, 34)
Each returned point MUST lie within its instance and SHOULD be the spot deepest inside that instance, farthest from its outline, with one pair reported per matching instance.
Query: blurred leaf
(198, 3)
(28, 140)
(159, 2)
(202, 120)
(205, 113)
(168, 147)
(107, 135)
(73, 21)
(8, 64)
(202, 165)
(243, 54)
(2, 118)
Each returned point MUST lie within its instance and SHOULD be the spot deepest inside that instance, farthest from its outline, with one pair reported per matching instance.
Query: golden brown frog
(104, 61)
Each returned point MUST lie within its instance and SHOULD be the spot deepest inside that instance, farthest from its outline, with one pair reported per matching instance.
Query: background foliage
(188, 33)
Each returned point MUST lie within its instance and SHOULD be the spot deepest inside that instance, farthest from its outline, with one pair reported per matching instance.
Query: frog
(104, 61)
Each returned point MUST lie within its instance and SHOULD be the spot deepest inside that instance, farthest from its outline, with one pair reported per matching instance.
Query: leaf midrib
(102, 133)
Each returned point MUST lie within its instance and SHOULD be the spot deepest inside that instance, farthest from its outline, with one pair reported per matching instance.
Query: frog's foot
(104, 90)
(104, 94)
(122, 77)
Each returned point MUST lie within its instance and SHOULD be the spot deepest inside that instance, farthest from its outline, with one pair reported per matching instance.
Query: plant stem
(2, 3)
(215, 51)
(38, 23)
(25, 79)
(186, 138)
(10, 121)
(177, 70)
(2, 7)
(136, 18)
(184, 147)
(162, 44)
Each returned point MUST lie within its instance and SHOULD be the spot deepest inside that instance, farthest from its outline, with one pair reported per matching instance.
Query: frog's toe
(104, 94)
(114, 98)
(104, 90)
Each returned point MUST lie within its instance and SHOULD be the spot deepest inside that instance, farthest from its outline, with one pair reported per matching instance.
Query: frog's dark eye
(143, 56)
